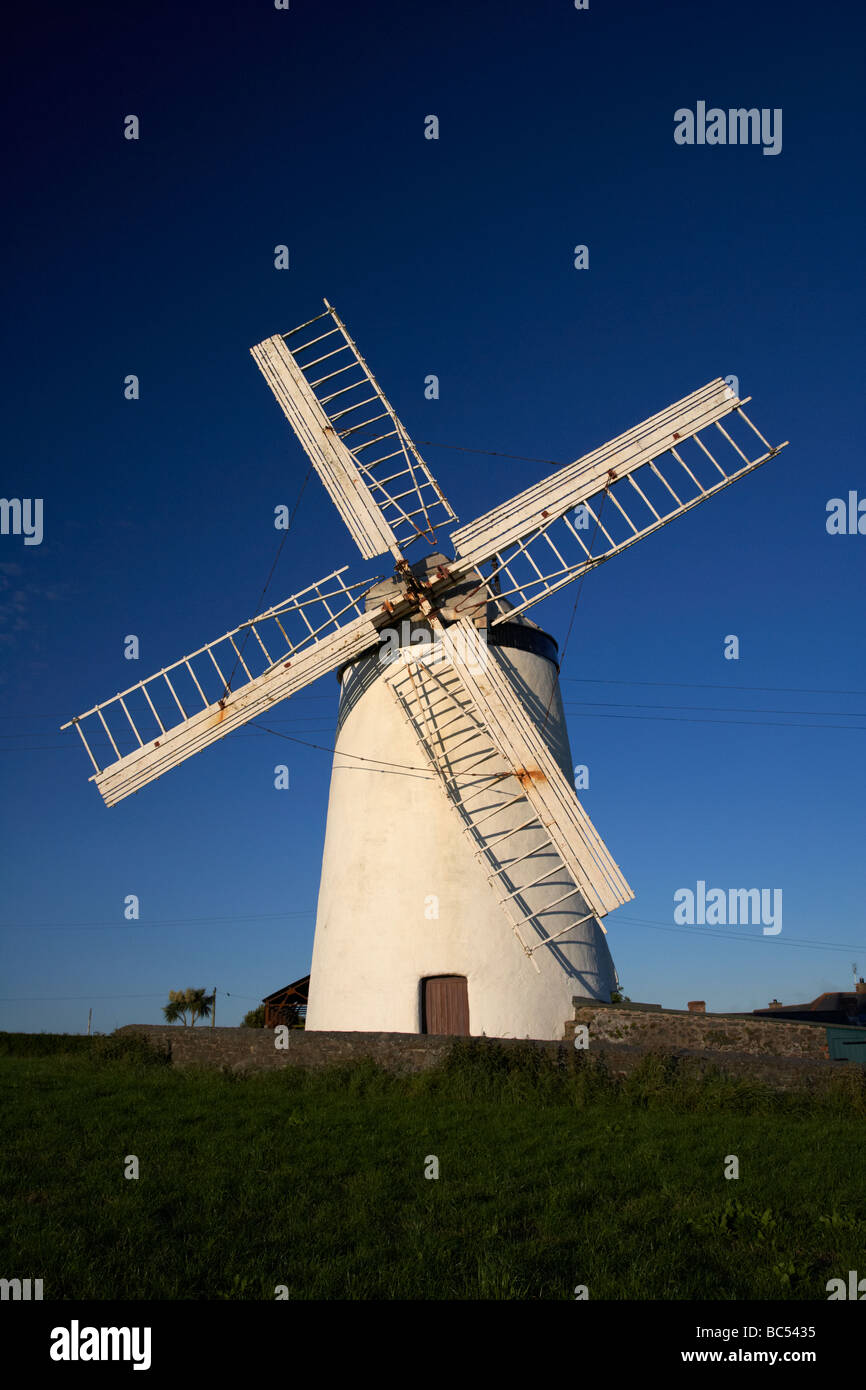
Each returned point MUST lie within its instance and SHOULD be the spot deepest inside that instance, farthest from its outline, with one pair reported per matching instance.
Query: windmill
(451, 773)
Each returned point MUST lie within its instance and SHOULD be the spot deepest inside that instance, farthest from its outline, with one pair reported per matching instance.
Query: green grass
(551, 1175)
(43, 1044)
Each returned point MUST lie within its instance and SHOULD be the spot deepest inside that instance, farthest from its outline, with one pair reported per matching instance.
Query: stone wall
(674, 1029)
(714, 1041)
(254, 1049)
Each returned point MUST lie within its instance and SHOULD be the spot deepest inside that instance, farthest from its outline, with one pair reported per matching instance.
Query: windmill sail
(224, 684)
(491, 758)
(375, 476)
(574, 519)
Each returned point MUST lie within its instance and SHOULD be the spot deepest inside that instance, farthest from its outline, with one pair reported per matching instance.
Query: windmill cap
(394, 584)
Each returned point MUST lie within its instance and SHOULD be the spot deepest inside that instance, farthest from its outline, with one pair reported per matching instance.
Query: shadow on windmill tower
(456, 849)
(472, 882)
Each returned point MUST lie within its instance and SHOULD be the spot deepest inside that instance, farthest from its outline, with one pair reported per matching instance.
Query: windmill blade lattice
(619, 493)
(375, 476)
(491, 758)
(224, 684)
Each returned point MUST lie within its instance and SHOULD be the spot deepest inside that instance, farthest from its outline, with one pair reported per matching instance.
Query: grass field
(549, 1177)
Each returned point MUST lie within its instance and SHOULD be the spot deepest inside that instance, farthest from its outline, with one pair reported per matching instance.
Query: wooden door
(445, 1005)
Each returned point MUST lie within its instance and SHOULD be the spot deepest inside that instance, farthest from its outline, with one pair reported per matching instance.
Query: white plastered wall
(395, 855)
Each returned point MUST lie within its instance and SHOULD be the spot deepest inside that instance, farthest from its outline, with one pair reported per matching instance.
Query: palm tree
(187, 1001)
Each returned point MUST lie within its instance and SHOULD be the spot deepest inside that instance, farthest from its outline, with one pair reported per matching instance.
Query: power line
(389, 768)
(240, 733)
(259, 607)
(41, 748)
(297, 719)
(585, 712)
(691, 685)
(555, 686)
(66, 998)
(99, 747)
(393, 769)
(710, 932)
(162, 922)
(589, 710)
(383, 765)
(594, 680)
(53, 717)
(492, 453)
(680, 719)
(723, 709)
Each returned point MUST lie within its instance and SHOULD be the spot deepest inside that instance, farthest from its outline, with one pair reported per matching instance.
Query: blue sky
(455, 257)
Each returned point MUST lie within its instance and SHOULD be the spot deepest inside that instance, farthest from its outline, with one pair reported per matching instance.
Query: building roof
(835, 1000)
(832, 1006)
(828, 1002)
(300, 989)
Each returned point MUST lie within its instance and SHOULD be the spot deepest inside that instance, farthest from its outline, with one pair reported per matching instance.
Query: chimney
(697, 1006)
(860, 987)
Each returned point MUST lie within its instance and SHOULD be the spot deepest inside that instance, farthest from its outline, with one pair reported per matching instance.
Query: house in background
(287, 1005)
(841, 1007)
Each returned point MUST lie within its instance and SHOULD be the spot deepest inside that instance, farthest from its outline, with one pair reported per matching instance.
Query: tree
(255, 1018)
(193, 1002)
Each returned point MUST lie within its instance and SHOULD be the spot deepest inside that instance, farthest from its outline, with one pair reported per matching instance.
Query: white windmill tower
(463, 887)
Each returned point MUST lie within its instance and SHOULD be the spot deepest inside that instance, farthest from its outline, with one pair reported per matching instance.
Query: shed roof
(299, 988)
